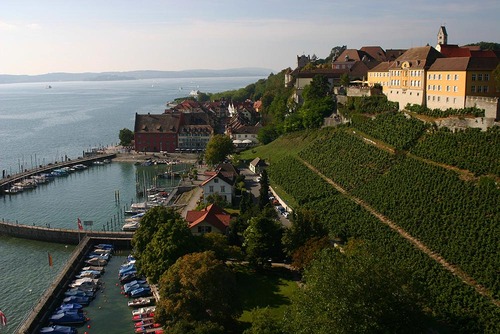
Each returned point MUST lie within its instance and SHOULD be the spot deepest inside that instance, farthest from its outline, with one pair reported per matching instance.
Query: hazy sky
(42, 36)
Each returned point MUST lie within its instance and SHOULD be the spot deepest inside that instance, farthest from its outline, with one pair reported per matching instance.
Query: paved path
(455, 270)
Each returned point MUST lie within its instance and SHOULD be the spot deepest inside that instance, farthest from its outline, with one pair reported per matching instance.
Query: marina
(71, 118)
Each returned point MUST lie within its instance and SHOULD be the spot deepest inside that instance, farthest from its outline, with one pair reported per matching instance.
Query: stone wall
(489, 104)
(55, 235)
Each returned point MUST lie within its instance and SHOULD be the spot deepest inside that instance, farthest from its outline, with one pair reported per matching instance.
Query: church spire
(442, 36)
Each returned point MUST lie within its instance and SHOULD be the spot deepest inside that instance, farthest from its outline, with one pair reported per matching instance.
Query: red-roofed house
(210, 219)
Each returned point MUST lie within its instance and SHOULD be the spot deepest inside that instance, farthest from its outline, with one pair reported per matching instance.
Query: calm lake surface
(40, 125)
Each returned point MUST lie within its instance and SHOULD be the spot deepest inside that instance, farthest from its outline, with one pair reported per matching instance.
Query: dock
(8, 181)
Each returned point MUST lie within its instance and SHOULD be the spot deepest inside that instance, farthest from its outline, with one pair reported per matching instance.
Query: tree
(126, 136)
(196, 327)
(162, 238)
(262, 240)
(345, 80)
(218, 243)
(264, 190)
(305, 225)
(218, 148)
(317, 89)
(198, 287)
(354, 291)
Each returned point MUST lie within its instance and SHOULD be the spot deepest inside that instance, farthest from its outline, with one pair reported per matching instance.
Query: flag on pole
(80, 227)
(50, 260)
(3, 319)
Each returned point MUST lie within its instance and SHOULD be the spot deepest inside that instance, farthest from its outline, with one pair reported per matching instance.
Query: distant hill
(134, 75)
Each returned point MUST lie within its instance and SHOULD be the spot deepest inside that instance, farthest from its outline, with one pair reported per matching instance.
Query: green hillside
(454, 220)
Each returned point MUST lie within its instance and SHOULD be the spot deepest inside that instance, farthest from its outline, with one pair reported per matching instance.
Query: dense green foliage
(218, 148)
(161, 239)
(471, 149)
(423, 110)
(378, 300)
(262, 241)
(393, 128)
(126, 136)
(369, 105)
(449, 299)
(198, 287)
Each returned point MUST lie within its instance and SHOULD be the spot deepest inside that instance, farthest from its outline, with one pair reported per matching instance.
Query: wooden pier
(7, 182)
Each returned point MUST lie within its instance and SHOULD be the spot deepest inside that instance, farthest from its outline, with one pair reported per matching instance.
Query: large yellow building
(407, 76)
(426, 77)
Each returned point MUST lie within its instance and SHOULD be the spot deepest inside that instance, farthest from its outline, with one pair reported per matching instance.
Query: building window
(433, 87)
(447, 99)
(456, 76)
(204, 229)
(428, 98)
(447, 88)
(439, 98)
(455, 89)
(433, 98)
(222, 189)
(473, 76)
(216, 180)
(454, 100)
(473, 89)
(439, 87)
(448, 77)
(479, 77)
(439, 76)
(485, 89)
(479, 89)
(429, 87)
(487, 77)
(210, 189)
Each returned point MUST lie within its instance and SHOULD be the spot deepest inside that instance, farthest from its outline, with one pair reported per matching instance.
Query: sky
(45, 36)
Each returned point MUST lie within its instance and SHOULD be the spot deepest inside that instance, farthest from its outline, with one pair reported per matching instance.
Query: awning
(237, 141)
(246, 141)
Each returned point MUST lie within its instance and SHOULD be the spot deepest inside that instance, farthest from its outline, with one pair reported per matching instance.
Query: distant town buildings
(188, 126)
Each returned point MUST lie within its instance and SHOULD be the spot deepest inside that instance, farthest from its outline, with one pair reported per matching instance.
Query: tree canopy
(354, 292)
(126, 136)
(218, 148)
(198, 287)
(161, 239)
(262, 240)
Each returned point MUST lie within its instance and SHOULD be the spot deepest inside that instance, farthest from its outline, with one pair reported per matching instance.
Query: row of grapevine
(393, 128)
(337, 155)
(471, 149)
(459, 220)
(448, 298)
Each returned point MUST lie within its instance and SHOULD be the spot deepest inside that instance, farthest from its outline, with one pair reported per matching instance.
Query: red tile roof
(212, 215)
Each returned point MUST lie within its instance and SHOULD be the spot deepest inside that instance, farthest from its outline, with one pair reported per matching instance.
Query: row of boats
(155, 197)
(35, 180)
(136, 287)
(80, 293)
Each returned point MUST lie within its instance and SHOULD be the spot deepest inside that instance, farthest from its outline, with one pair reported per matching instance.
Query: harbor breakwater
(54, 295)
(57, 235)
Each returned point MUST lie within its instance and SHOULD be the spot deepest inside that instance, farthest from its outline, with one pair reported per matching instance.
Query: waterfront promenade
(9, 180)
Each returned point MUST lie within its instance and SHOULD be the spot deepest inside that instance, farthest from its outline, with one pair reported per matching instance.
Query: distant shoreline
(134, 75)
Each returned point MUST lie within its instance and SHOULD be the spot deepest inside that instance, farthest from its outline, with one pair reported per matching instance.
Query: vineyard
(471, 149)
(393, 128)
(451, 300)
(459, 220)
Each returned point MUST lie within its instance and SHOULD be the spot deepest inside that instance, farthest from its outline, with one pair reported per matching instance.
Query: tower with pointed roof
(442, 36)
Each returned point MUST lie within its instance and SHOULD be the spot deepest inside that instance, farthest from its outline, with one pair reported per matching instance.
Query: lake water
(40, 125)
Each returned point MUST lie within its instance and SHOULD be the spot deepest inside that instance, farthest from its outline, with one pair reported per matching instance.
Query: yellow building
(407, 76)
(380, 75)
(460, 82)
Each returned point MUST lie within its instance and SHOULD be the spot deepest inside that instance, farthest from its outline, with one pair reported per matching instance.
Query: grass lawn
(271, 288)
